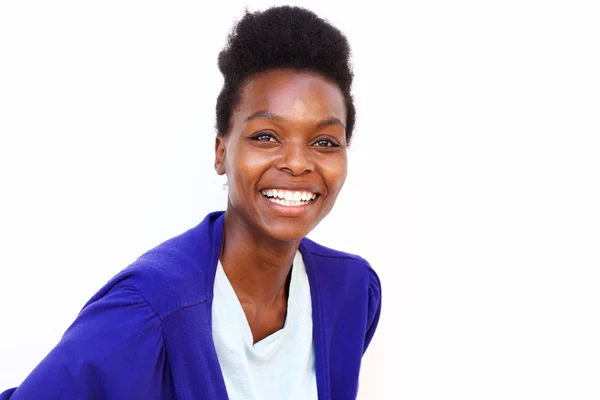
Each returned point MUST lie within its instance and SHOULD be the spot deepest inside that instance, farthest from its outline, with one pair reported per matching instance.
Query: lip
(290, 211)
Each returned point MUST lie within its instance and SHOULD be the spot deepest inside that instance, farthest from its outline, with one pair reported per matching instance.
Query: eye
(264, 137)
(326, 143)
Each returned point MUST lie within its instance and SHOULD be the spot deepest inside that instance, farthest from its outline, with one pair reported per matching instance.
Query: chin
(289, 223)
(287, 231)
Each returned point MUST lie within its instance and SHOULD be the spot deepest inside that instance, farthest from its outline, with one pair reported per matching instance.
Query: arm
(113, 350)
(374, 308)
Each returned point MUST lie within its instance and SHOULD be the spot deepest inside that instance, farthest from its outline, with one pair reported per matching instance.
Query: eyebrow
(274, 117)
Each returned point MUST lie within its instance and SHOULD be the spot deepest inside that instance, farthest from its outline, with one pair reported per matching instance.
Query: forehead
(293, 95)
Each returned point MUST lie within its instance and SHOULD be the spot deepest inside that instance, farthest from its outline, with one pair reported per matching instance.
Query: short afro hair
(283, 37)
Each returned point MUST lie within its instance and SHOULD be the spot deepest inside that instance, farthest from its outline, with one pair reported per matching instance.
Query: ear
(220, 155)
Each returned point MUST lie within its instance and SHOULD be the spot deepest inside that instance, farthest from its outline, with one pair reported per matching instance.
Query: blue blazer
(147, 333)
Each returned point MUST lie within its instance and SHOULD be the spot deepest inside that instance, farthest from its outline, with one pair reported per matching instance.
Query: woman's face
(285, 155)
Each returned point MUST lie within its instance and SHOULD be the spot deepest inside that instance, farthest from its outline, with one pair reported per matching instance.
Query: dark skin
(287, 133)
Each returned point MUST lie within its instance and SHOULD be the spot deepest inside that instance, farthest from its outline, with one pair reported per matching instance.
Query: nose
(296, 159)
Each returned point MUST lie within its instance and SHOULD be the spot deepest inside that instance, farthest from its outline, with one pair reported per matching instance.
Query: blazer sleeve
(113, 350)
(374, 307)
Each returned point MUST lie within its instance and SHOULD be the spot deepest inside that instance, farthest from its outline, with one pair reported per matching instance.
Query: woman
(242, 305)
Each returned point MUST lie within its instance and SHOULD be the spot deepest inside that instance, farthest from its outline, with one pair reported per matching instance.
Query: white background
(473, 189)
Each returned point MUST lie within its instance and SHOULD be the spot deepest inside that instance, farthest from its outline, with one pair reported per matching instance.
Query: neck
(257, 266)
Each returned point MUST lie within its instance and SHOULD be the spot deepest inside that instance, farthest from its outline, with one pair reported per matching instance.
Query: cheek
(335, 175)
(244, 169)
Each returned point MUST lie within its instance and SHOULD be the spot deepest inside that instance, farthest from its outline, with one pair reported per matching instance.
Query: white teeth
(289, 198)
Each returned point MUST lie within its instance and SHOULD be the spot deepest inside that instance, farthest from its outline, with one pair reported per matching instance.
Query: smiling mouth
(289, 198)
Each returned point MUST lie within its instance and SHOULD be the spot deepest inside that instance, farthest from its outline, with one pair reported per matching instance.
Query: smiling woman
(243, 305)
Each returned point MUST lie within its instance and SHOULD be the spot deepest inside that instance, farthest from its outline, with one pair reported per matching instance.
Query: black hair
(283, 37)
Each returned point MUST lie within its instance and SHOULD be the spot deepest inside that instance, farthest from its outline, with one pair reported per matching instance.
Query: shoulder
(340, 260)
(341, 269)
(319, 250)
(177, 273)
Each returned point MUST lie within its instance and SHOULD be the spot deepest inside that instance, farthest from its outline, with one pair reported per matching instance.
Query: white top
(282, 365)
